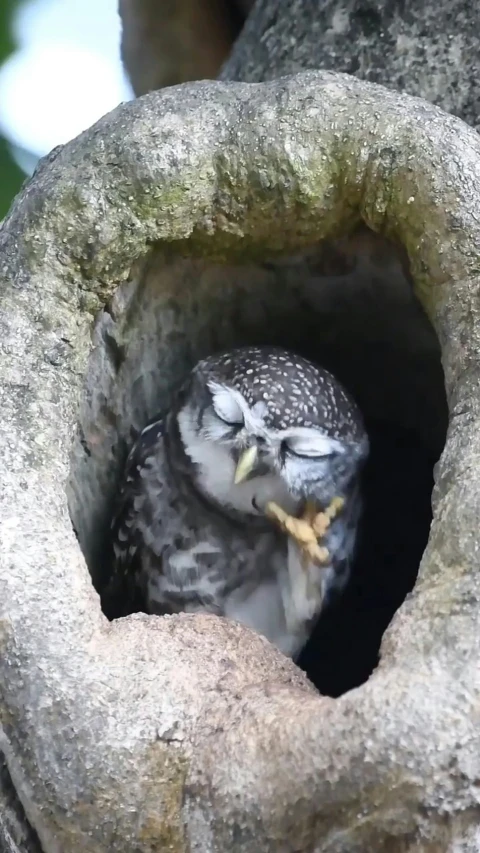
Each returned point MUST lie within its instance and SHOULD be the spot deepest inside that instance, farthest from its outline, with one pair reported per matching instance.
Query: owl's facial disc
(301, 457)
(215, 448)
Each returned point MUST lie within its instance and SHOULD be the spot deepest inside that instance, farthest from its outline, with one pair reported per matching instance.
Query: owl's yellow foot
(308, 529)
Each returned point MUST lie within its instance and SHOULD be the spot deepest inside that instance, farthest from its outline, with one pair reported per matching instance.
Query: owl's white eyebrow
(228, 402)
(251, 418)
(254, 421)
(311, 435)
(299, 432)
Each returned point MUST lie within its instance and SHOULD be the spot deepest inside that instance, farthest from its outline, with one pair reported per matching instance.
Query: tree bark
(427, 49)
(190, 733)
(16, 835)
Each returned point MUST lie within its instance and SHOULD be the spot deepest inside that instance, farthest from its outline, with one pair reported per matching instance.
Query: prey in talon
(243, 500)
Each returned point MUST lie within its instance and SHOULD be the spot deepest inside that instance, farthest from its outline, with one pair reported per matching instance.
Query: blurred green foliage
(11, 177)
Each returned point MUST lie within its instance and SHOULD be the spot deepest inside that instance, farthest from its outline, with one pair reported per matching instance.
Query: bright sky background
(65, 74)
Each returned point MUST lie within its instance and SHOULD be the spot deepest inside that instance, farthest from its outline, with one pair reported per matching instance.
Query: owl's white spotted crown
(295, 391)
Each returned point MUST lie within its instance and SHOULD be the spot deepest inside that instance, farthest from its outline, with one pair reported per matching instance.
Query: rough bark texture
(428, 49)
(188, 733)
(16, 835)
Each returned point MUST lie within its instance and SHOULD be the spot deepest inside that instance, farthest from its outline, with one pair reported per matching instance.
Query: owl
(191, 531)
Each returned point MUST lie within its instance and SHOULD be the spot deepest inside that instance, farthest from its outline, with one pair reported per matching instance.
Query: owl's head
(260, 424)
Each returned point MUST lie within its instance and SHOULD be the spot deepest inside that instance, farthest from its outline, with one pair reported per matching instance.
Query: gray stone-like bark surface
(190, 733)
(430, 49)
(16, 835)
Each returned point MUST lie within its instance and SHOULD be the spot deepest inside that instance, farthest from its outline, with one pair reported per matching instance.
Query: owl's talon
(309, 528)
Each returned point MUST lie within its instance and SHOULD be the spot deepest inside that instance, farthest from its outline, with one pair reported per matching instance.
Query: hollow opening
(349, 306)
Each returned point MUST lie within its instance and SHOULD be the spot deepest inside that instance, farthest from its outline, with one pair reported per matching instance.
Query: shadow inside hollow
(398, 481)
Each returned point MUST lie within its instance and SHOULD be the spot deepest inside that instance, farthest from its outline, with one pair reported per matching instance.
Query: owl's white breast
(263, 611)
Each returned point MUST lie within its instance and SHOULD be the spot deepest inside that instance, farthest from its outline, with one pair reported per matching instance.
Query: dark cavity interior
(350, 306)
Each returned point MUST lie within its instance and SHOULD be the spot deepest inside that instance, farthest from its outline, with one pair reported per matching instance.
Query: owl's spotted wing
(127, 531)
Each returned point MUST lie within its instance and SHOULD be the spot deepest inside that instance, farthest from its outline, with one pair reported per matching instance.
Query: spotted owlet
(191, 530)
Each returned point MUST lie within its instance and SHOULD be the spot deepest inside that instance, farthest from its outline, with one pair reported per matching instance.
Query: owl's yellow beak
(246, 464)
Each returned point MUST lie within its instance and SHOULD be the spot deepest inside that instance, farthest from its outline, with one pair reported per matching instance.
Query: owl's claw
(309, 528)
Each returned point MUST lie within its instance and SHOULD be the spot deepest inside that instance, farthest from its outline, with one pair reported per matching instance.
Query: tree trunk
(154, 232)
(427, 49)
